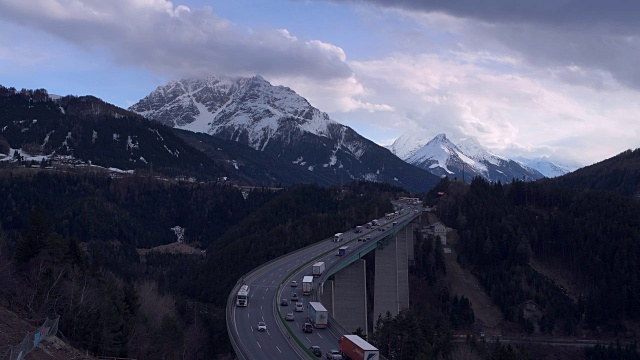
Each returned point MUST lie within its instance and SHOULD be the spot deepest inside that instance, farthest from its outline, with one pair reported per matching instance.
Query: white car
(262, 326)
(333, 355)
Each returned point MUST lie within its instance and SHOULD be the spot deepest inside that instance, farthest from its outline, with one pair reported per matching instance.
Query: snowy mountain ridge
(278, 121)
(466, 160)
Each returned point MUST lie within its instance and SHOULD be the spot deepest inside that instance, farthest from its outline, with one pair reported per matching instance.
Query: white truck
(355, 348)
(337, 237)
(318, 268)
(307, 285)
(317, 314)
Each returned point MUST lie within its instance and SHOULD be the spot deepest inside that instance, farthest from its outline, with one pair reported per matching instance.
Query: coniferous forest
(592, 235)
(69, 246)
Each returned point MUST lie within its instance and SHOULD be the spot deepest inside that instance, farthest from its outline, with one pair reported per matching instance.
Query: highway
(271, 282)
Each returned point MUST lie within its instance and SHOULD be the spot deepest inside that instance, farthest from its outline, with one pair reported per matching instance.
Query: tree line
(69, 246)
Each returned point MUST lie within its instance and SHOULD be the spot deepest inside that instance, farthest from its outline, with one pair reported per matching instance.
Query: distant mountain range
(469, 159)
(88, 133)
(243, 130)
(277, 121)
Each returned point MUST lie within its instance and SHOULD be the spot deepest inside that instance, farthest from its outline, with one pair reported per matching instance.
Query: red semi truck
(355, 348)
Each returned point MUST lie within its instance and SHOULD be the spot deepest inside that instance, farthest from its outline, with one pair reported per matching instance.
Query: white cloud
(177, 40)
(460, 95)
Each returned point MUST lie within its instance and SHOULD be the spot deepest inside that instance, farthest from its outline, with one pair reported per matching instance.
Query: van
(299, 306)
(307, 328)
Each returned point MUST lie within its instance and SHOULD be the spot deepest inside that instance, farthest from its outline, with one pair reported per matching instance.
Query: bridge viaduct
(342, 289)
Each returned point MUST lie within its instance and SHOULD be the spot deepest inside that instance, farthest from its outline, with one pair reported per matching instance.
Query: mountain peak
(440, 137)
(406, 145)
(467, 159)
(276, 120)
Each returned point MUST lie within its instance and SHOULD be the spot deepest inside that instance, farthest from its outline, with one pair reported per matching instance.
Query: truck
(318, 268)
(342, 251)
(368, 225)
(337, 237)
(375, 223)
(242, 299)
(307, 285)
(355, 348)
(317, 314)
(358, 229)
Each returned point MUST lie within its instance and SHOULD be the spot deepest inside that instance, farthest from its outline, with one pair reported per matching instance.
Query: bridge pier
(349, 303)
(391, 289)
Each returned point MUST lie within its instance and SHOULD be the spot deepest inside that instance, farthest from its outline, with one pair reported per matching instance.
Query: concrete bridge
(342, 289)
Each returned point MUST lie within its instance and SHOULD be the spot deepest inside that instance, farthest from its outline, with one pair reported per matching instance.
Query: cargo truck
(355, 348)
(317, 314)
(318, 268)
(307, 285)
(342, 251)
(337, 237)
(375, 222)
(358, 229)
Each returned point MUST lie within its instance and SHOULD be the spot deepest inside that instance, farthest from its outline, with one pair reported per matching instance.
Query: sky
(556, 78)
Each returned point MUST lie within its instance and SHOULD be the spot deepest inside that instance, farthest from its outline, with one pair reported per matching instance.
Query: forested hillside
(592, 235)
(94, 132)
(619, 174)
(68, 246)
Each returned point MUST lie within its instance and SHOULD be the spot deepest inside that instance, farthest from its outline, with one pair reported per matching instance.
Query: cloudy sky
(554, 78)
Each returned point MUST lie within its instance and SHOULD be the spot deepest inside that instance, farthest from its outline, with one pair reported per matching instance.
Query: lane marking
(257, 342)
(278, 349)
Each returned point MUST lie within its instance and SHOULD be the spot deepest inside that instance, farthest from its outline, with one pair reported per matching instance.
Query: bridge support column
(326, 295)
(350, 297)
(391, 291)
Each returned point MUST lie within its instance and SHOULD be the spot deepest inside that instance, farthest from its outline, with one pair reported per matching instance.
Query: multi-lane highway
(270, 283)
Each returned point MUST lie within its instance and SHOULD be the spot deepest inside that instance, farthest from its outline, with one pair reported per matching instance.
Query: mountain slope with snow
(465, 160)
(278, 121)
(546, 167)
(406, 145)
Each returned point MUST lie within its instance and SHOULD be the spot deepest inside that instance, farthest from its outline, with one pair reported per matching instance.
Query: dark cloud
(623, 14)
(598, 36)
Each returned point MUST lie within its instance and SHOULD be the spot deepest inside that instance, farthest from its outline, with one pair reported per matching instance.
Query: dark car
(307, 327)
(284, 302)
(316, 351)
(294, 297)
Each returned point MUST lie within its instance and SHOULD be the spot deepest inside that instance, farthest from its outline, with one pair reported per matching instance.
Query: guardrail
(334, 326)
(239, 350)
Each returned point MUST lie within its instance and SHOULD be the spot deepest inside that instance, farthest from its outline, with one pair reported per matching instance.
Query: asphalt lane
(272, 283)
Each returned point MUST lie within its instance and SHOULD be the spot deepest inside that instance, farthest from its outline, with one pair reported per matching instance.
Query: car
(299, 306)
(284, 302)
(262, 326)
(294, 297)
(333, 355)
(294, 283)
(307, 327)
(316, 350)
(289, 317)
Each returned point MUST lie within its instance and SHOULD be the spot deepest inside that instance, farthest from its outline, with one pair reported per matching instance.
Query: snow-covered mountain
(466, 160)
(406, 145)
(546, 167)
(276, 120)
